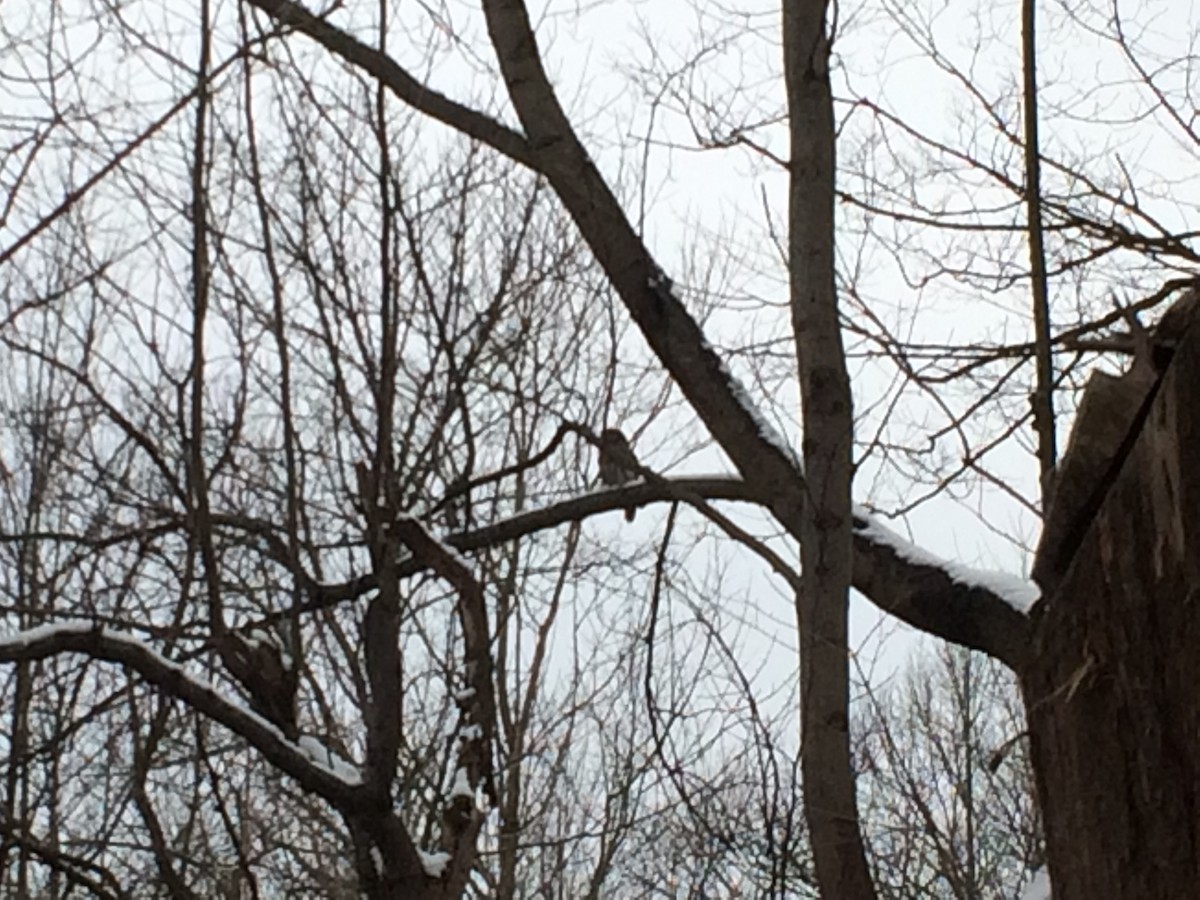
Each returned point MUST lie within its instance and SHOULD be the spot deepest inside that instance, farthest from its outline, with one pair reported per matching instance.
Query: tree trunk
(1112, 687)
(826, 544)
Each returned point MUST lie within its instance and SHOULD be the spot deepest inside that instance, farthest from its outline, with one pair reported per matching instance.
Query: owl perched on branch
(618, 464)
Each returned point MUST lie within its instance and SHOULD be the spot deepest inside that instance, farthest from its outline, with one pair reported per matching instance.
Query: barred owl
(618, 464)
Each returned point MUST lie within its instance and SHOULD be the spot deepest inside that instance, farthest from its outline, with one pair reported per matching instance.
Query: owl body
(618, 464)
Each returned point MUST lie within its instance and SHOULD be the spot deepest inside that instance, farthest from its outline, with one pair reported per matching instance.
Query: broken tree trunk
(1112, 682)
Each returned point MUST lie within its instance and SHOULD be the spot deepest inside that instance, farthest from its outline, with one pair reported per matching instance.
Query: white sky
(624, 69)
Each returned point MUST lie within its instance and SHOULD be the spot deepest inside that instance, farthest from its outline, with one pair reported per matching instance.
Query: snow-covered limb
(982, 610)
(478, 708)
(985, 611)
(765, 428)
(36, 635)
(474, 771)
(172, 679)
(410, 528)
(326, 758)
(1019, 593)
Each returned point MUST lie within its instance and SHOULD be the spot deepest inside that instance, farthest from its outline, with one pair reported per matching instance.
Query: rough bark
(1111, 685)
(1105, 425)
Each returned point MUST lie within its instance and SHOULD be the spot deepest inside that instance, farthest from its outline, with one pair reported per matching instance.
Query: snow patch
(324, 757)
(446, 548)
(462, 785)
(434, 863)
(1019, 593)
(1039, 888)
(765, 428)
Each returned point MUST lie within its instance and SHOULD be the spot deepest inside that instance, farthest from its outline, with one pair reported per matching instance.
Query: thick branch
(477, 728)
(981, 610)
(985, 611)
(412, 92)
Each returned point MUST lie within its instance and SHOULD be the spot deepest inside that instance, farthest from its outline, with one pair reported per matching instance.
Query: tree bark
(1111, 685)
(826, 539)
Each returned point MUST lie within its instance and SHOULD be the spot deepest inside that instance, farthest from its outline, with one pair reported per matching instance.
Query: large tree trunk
(1112, 685)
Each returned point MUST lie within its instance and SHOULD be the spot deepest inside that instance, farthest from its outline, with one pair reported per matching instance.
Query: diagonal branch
(174, 681)
(461, 822)
(419, 96)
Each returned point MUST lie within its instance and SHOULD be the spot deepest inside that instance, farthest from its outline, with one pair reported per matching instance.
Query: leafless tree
(307, 361)
(949, 801)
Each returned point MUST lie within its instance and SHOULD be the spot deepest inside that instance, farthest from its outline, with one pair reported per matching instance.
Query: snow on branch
(478, 703)
(766, 430)
(979, 609)
(959, 606)
(339, 785)
(476, 699)
(434, 863)
(1019, 593)
(327, 759)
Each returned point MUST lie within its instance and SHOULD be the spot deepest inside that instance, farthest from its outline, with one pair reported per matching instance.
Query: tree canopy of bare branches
(315, 321)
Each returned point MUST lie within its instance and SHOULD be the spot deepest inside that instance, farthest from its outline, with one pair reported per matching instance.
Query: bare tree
(948, 796)
(301, 433)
